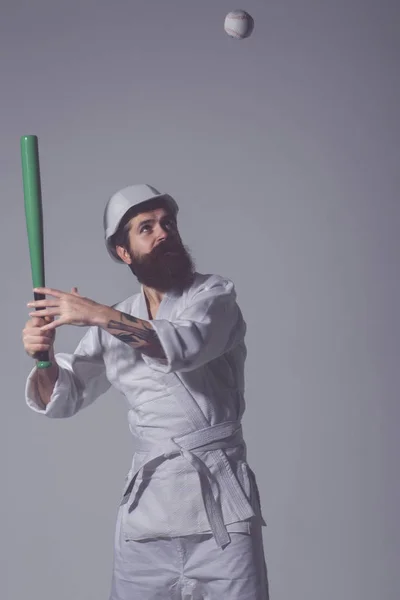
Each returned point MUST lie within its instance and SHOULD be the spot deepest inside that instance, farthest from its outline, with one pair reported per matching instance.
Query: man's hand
(71, 308)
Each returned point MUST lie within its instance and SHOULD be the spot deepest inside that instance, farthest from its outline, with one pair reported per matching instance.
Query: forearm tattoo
(138, 334)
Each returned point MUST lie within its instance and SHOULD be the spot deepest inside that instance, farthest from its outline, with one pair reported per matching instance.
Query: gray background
(282, 151)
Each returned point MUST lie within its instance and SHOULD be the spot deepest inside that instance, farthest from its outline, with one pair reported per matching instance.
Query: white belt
(223, 435)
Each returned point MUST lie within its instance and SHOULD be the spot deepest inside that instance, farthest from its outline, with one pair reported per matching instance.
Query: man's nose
(161, 233)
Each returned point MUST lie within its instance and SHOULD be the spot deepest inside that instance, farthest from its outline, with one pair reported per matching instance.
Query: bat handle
(42, 357)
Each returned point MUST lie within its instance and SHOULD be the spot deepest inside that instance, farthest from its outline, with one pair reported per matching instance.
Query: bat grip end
(44, 364)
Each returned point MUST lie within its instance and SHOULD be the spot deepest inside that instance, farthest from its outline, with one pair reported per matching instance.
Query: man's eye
(170, 223)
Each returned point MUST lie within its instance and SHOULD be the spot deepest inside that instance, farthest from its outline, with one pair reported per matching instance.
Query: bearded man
(189, 521)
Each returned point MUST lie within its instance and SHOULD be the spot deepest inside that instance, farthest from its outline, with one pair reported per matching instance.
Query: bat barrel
(34, 220)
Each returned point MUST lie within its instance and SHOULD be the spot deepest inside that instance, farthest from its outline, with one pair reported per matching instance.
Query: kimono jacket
(189, 473)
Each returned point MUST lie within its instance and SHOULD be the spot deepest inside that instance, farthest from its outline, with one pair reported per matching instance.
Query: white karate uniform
(189, 478)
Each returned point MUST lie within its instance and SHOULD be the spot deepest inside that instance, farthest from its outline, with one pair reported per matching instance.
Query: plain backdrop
(282, 151)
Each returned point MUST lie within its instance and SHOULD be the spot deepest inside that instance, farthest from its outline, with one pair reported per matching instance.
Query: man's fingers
(45, 313)
(51, 326)
(37, 334)
(45, 302)
(39, 347)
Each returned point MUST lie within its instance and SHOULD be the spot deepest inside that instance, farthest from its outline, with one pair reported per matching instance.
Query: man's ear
(123, 254)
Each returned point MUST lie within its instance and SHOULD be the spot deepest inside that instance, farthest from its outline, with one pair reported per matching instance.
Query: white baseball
(239, 24)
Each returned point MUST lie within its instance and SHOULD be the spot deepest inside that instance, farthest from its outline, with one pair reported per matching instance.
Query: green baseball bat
(34, 221)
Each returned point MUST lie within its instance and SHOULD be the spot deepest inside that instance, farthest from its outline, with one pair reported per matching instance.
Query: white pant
(190, 568)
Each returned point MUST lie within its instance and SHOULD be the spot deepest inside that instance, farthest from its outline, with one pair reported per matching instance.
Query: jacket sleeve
(81, 380)
(210, 326)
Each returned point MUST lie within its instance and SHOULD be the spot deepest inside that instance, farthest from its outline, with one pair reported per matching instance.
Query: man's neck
(153, 297)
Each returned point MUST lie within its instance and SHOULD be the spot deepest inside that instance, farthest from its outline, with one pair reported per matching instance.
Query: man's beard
(162, 271)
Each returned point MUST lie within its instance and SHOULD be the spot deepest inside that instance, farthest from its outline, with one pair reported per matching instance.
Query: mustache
(164, 247)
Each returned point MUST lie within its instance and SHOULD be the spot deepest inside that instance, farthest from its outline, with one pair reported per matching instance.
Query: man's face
(156, 255)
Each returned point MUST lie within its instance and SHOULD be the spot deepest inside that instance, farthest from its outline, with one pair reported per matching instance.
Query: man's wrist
(104, 314)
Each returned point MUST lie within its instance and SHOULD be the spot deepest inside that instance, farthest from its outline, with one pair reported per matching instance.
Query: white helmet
(118, 205)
